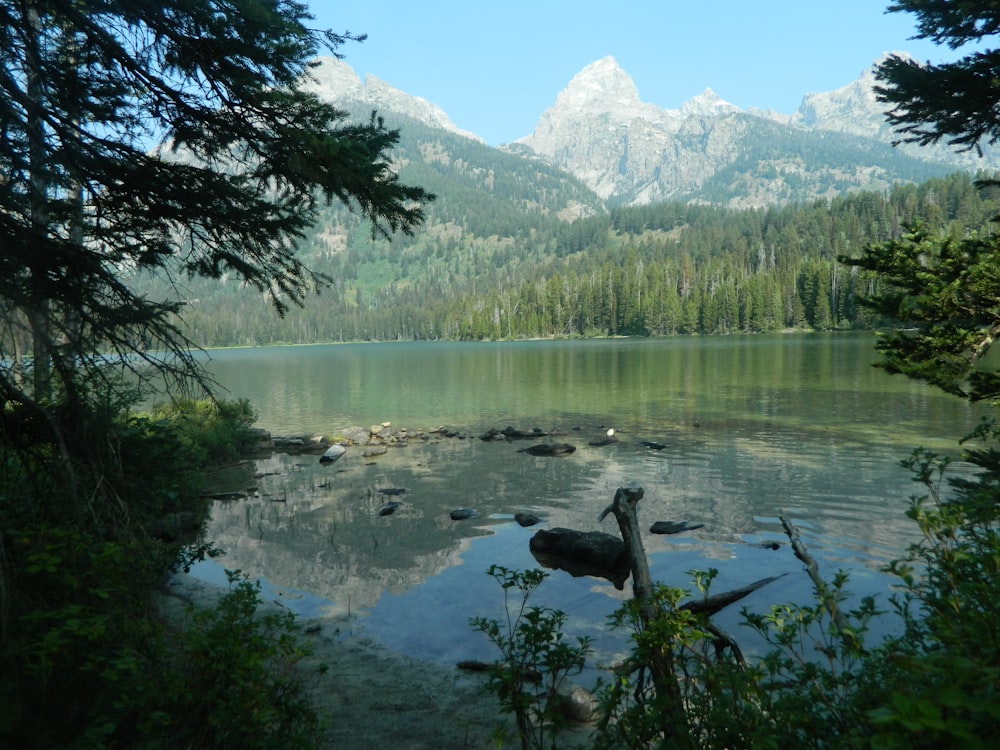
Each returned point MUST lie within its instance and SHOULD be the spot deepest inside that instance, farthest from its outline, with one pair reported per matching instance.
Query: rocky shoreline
(378, 438)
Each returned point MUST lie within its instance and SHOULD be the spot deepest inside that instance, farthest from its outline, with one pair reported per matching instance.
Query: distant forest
(645, 271)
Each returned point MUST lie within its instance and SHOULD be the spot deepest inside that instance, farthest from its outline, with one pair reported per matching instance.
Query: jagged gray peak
(335, 81)
(707, 104)
(601, 131)
(849, 109)
(633, 152)
(855, 109)
(602, 86)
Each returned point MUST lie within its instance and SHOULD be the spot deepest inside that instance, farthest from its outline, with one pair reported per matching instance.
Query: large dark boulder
(582, 553)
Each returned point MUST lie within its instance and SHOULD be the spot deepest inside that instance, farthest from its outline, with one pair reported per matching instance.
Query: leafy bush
(816, 685)
(89, 642)
(946, 691)
(218, 431)
(535, 658)
(82, 494)
(234, 680)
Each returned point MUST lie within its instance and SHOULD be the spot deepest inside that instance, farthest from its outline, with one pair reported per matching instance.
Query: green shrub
(534, 658)
(86, 660)
(89, 643)
(216, 431)
(235, 681)
(946, 691)
(678, 686)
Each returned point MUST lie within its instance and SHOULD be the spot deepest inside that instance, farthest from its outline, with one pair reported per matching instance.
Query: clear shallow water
(753, 428)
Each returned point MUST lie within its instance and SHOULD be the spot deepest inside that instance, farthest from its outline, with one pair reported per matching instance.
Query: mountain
(634, 153)
(334, 80)
(570, 232)
(709, 151)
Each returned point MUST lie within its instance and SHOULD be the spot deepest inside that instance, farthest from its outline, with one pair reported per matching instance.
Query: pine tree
(944, 289)
(956, 101)
(163, 137)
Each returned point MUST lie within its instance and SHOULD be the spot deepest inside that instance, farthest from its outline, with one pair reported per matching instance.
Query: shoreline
(370, 695)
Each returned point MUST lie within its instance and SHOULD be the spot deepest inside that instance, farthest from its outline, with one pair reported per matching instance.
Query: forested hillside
(653, 270)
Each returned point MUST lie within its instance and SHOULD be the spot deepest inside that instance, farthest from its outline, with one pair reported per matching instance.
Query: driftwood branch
(716, 602)
(812, 568)
(625, 509)
(662, 668)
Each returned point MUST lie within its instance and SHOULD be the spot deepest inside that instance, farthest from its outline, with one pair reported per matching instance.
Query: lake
(751, 428)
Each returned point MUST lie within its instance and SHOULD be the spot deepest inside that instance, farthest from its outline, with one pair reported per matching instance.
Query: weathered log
(812, 569)
(716, 602)
(662, 668)
(624, 508)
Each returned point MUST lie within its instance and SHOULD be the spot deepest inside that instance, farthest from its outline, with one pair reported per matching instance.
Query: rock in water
(460, 514)
(526, 519)
(582, 553)
(673, 527)
(388, 509)
(598, 442)
(607, 439)
(549, 449)
(332, 454)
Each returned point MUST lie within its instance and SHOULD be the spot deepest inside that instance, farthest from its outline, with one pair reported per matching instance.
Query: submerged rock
(460, 514)
(332, 454)
(652, 445)
(549, 449)
(673, 527)
(512, 433)
(607, 438)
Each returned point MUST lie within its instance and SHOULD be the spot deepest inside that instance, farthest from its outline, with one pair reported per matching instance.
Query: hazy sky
(494, 67)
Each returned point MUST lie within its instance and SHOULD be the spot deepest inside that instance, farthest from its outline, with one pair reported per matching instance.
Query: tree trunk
(39, 312)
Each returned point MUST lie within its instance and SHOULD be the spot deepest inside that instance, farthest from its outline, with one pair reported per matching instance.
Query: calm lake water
(800, 426)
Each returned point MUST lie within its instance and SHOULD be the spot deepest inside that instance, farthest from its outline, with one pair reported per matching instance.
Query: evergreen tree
(162, 137)
(945, 289)
(958, 101)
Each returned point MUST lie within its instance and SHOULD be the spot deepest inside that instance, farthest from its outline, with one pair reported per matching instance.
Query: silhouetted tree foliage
(956, 101)
(170, 138)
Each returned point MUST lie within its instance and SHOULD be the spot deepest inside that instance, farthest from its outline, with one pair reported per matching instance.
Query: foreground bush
(86, 659)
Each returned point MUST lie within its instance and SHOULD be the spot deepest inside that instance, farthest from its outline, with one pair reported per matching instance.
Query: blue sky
(494, 67)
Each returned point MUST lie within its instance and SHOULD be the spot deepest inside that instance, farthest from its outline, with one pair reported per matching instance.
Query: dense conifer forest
(487, 269)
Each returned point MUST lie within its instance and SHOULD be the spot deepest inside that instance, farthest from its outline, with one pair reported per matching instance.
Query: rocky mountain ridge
(630, 152)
